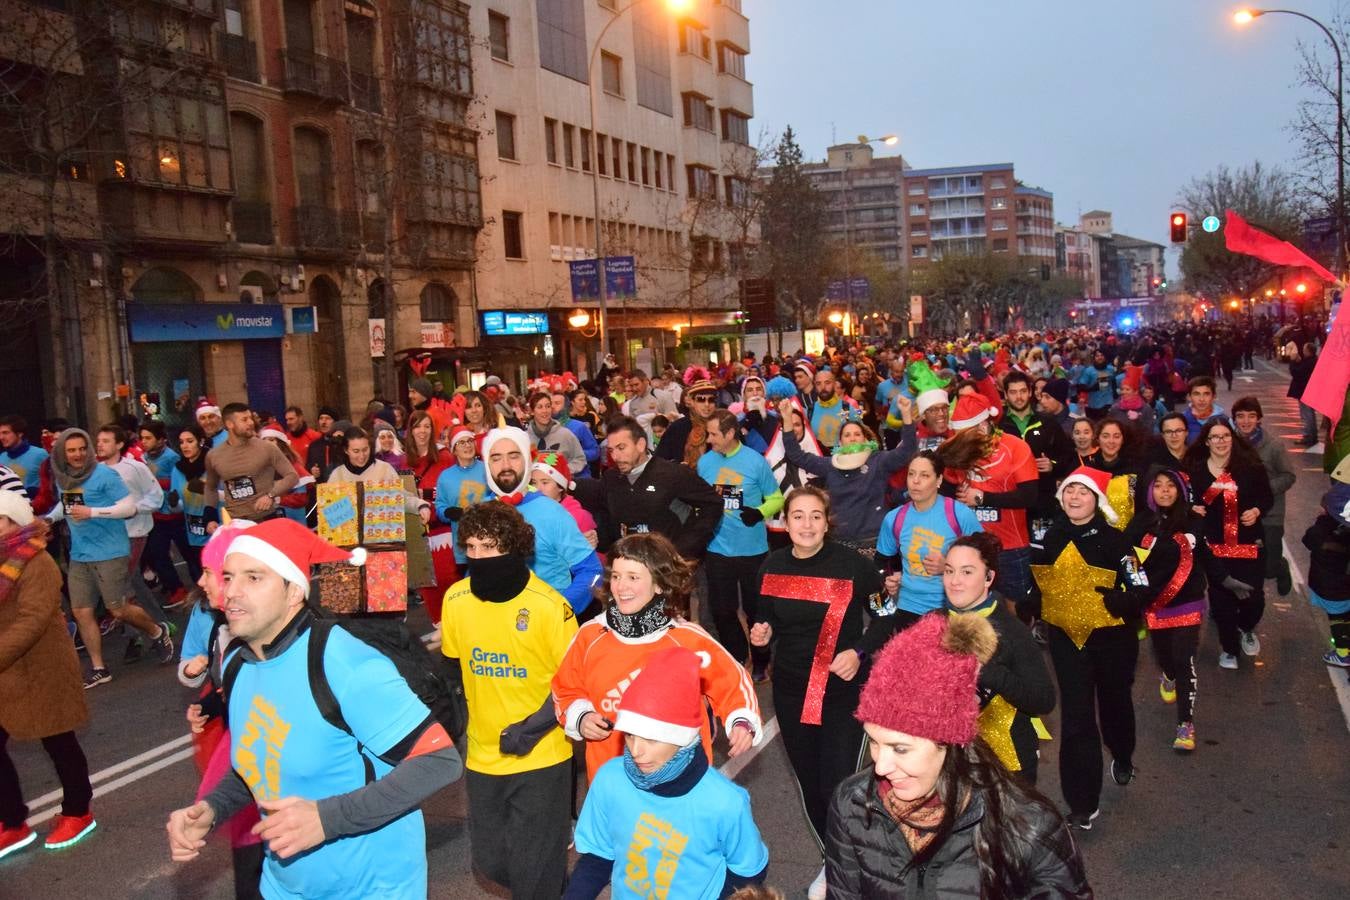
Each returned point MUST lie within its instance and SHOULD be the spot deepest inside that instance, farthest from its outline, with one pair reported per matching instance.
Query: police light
(1178, 223)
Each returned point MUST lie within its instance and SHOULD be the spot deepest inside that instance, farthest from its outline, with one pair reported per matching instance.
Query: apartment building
(975, 210)
(864, 194)
(267, 194)
(655, 110)
(1108, 263)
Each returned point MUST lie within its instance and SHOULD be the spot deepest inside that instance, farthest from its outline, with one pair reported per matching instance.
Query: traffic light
(1178, 223)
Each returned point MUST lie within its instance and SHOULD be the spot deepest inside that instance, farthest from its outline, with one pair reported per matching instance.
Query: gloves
(1241, 589)
(751, 516)
(196, 486)
(452, 513)
(172, 497)
(1118, 603)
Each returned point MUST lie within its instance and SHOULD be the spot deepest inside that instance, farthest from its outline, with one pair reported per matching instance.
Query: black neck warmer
(650, 618)
(498, 579)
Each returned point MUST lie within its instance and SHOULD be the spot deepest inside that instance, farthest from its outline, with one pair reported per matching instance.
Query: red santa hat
(460, 433)
(554, 465)
(971, 410)
(664, 702)
(805, 365)
(1094, 480)
(277, 433)
(205, 405)
(291, 550)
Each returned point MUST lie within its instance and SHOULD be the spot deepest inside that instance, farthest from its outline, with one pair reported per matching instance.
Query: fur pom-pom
(696, 373)
(358, 557)
(970, 635)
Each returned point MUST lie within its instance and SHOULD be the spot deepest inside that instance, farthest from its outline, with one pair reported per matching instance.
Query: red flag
(1326, 389)
(1240, 237)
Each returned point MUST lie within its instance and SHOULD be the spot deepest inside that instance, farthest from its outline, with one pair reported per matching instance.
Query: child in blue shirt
(659, 821)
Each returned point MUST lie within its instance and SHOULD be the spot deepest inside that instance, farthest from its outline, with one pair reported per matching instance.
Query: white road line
(1339, 682)
(732, 767)
(38, 818)
(117, 769)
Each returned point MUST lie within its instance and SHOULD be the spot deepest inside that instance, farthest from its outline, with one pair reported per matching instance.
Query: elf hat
(206, 405)
(15, 507)
(971, 410)
(290, 549)
(554, 465)
(664, 702)
(923, 682)
(460, 433)
(1094, 480)
(521, 440)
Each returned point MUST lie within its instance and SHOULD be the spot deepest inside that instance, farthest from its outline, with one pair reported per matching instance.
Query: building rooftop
(1028, 190)
(957, 170)
(1127, 242)
(1095, 213)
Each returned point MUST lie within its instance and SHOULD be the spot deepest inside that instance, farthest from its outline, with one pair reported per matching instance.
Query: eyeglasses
(1174, 431)
(1220, 437)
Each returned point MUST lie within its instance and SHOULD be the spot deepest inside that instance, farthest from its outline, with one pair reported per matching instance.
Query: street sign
(1210, 224)
(859, 289)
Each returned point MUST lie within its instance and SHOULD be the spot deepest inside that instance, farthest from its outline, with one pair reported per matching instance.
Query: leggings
(1174, 649)
(822, 755)
(1230, 613)
(71, 767)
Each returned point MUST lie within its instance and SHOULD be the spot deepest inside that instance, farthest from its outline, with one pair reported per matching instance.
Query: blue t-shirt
(670, 846)
(827, 420)
(196, 514)
(162, 468)
(743, 479)
(920, 533)
(558, 544)
(281, 746)
(197, 634)
(27, 466)
(887, 390)
(461, 486)
(221, 437)
(1100, 385)
(96, 540)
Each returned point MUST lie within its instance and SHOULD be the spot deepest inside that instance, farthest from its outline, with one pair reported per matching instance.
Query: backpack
(429, 676)
(948, 506)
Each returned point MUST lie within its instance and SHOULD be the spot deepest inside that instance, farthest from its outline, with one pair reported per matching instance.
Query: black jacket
(668, 498)
(1017, 673)
(1329, 565)
(867, 857)
(1045, 438)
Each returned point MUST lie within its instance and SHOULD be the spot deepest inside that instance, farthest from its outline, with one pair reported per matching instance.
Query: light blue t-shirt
(197, 634)
(670, 846)
(920, 533)
(1100, 385)
(27, 466)
(887, 390)
(281, 746)
(461, 486)
(196, 514)
(827, 420)
(558, 544)
(162, 468)
(743, 479)
(96, 540)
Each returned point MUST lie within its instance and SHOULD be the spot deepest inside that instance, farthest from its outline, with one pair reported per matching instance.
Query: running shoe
(163, 644)
(12, 840)
(1251, 644)
(1082, 821)
(69, 830)
(1167, 689)
(176, 599)
(97, 677)
(1227, 661)
(1185, 739)
(1333, 658)
(1121, 773)
(819, 888)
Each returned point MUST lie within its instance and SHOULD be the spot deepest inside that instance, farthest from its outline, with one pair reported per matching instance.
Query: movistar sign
(151, 322)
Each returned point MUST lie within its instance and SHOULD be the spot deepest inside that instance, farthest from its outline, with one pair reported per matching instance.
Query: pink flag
(1326, 389)
(1239, 237)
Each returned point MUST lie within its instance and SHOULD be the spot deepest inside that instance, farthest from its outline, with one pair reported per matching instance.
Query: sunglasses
(703, 398)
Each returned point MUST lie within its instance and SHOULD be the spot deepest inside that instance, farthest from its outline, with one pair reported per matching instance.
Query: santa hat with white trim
(554, 465)
(205, 405)
(931, 398)
(1096, 481)
(971, 410)
(291, 550)
(664, 702)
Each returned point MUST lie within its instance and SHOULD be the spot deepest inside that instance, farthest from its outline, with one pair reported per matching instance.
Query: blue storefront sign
(585, 280)
(152, 323)
(302, 319)
(503, 323)
(620, 278)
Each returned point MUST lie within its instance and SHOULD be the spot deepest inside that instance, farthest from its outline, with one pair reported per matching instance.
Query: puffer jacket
(865, 854)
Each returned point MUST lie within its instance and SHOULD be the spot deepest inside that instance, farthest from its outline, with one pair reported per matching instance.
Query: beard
(507, 479)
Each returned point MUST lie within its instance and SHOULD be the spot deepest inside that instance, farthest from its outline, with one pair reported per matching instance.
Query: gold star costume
(1069, 598)
(1120, 494)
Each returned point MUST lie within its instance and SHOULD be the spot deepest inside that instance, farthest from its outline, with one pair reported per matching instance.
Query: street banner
(585, 280)
(204, 322)
(837, 290)
(859, 289)
(620, 278)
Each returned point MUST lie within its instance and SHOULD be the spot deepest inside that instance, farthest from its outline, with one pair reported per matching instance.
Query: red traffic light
(1178, 223)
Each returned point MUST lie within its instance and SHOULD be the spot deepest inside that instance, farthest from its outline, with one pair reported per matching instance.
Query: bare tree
(1314, 125)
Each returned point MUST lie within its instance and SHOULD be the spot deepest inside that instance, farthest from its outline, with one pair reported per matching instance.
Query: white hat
(14, 506)
(521, 440)
(275, 433)
(930, 398)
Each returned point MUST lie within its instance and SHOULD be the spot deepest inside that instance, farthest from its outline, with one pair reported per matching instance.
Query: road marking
(1339, 682)
(732, 767)
(163, 763)
(119, 768)
(1318, 447)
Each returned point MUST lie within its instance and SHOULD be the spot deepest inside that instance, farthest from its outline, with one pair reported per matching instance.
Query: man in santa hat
(329, 827)
(209, 418)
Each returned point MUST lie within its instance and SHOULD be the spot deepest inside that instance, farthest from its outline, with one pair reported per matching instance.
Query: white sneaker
(1251, 644)
(1227, 661)
(818, 890)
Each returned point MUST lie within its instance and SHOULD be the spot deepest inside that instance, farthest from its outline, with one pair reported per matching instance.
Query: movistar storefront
(175, 345)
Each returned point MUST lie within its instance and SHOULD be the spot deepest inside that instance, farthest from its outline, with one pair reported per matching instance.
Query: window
(916, 189)
(651, 59)
(737, 192)
(735, 127)
(1000, 245)
(585, 150)
(698, 112)
(438, 303)
(919, 251)
(657, 165)
(611, 73)
(998, 202)
(601, 143)
(511, 235)
(916, 209)
(1000, 224)
(694, 40)
(499, 36)
(702, 183)
(616, 154)
(730, 60)
(646, 167)
(670, 171)
(446, 189)
(998, 184)
(442, 54)
(569, 146)
(365, 86)
(551, 140)
(506, 135)
(562, 37)
(632, 163)
(179, 138)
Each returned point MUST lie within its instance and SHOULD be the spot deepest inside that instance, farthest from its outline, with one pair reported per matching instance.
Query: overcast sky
(1109, 105)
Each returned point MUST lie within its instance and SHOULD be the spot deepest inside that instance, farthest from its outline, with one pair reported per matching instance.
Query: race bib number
(635, 528)
(196, 526)
(240, 488)
(70, 500)
(986, 514)
(1038, 529)
(731, 498)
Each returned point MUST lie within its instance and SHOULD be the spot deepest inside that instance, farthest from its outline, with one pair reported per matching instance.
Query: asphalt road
(1257, 811)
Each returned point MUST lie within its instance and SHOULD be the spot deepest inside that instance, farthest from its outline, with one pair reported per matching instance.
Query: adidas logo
(612, 696)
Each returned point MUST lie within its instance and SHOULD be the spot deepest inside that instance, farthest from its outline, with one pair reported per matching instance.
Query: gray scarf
(66, 478)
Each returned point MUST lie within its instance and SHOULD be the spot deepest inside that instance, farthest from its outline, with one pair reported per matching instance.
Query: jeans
(1014, 579)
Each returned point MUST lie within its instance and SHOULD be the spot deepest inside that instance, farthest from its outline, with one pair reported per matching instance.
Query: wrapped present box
(353, 513)
(379, 586)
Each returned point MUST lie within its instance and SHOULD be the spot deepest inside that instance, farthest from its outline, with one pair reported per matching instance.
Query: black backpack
(428, 675)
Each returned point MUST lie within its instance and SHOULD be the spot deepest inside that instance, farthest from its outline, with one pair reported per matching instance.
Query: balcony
(309, 73)
(318, 228)
(252, 222)
(365, 91)
(240, 56)
(367, 229)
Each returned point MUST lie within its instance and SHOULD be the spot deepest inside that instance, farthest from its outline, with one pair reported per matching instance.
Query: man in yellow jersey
(507, 631)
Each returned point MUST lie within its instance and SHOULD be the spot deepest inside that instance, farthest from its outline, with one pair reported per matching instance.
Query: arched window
(438, 303)
(165, 285)
(251, 209)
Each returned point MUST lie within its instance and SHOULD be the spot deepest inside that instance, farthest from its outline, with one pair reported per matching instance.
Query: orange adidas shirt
(599, 666)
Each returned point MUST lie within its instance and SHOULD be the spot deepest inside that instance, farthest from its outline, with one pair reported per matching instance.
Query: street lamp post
(674, 6)
(890, 140)
(1244, 17)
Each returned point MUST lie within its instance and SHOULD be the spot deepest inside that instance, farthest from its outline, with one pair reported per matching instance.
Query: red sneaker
(69, 830)
(176, 599)
(13, 840)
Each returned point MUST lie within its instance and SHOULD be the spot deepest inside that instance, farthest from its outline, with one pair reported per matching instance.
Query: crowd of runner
(923, 548)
